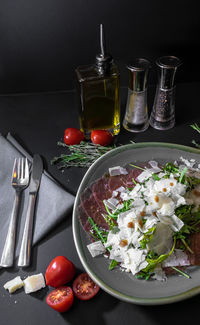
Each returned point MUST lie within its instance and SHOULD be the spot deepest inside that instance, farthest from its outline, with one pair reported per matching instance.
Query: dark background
(42, 41)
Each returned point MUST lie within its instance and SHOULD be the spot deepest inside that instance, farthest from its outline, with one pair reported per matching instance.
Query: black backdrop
(42, 41)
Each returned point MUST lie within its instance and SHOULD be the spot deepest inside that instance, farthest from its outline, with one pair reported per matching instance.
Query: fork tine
(19, 169)
(22, 168)
(14, 174)
(26, 169)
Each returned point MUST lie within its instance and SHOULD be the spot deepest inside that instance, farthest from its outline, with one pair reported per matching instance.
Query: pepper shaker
(163, 111)
(136, 115)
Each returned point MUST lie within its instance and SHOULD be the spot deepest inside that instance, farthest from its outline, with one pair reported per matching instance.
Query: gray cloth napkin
(52, 205)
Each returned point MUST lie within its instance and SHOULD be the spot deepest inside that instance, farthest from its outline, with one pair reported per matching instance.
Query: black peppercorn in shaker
(163, 112)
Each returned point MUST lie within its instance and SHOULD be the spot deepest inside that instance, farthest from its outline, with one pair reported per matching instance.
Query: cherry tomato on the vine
(60, 271)
(101, 137)
(84, 288)
(73, 136)
(60, 299)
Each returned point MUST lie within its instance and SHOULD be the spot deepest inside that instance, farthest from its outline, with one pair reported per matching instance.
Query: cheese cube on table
(14, 284)
(34, 282)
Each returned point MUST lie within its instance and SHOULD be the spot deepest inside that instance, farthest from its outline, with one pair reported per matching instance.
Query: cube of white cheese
(34, 282)
(14, 284)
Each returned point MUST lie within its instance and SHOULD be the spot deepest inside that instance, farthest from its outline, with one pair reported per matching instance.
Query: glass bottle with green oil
(98, 87)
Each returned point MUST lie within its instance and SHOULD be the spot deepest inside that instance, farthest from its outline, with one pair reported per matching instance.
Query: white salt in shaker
(136, 115)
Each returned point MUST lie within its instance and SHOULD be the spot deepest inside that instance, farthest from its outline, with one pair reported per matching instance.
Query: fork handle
(7, 257)
(25, 250)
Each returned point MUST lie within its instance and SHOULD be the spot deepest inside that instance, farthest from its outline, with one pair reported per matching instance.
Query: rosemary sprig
(81, 155)
(196, 128)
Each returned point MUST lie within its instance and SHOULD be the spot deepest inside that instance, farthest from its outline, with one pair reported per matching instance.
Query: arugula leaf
(156, 177)
(147, 237)
(112, 265)
(99, 234)
(191, 224)
(182, 178)
(170, 168)
(181, 272)
(138, 167)
(153, 262)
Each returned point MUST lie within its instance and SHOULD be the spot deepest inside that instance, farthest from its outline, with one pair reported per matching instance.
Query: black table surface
(38, 122)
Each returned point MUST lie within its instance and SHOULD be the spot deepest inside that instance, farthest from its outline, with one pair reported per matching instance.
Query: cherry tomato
(60, 299)
(73, 136)
(60, 271)
(84, 288)
(101, 137)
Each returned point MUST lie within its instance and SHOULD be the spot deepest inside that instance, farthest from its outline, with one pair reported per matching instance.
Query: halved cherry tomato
(84, 288)
(101, 137)
(73, 136)
(60, 271)
(60, 299)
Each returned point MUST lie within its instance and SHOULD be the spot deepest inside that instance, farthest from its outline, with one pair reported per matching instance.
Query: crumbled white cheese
(96, 248)
(134, 260)
(153, 163)
(117, 170)
(189, 163)
(177, 223)
(159, 274)
(34, 283)
(177, 258)
(14, 284)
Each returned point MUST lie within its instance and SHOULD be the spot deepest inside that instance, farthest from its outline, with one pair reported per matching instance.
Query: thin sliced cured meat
(92, 210)
(195, 247)
(83, 218)
(101, 191)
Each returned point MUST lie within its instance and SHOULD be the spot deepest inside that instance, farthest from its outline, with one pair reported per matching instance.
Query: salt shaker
(136, 115)
(163, 111)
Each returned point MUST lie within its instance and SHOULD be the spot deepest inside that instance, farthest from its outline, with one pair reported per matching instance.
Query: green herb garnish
(182, 178)
(98, 233)
(138, 167)
(81, 155)
(170, 168)
(112, 265)
(153, 263)
(147, 237)
(180, 272)
(156, 177)
(191, 224)
(196, 128)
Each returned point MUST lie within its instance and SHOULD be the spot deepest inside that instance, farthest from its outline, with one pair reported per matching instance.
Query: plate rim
(76, 231)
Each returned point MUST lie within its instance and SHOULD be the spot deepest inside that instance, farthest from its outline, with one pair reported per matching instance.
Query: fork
(20, 180)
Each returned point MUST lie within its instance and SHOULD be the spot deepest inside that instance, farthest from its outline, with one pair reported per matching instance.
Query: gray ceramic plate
(121, 284)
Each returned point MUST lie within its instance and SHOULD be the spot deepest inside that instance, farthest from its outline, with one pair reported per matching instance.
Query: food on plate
(60, 299)
(14, 284)
(34, 283)
(60, 271)
(73, 136)
(84, 287)
(101, 137)
(145, 218)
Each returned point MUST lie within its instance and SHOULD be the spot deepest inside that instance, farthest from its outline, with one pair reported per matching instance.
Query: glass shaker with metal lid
(136, 115)
(163, 112)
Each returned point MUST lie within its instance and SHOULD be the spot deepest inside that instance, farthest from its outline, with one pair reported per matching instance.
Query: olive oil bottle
(98, 87)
